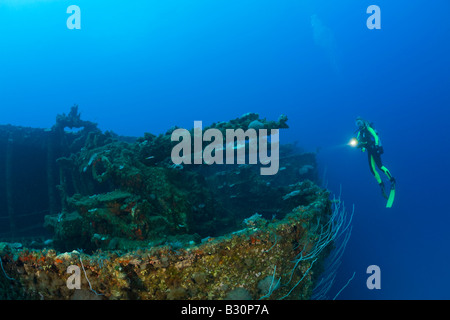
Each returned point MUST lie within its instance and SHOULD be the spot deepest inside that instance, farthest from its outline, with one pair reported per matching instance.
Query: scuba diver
(368, 140)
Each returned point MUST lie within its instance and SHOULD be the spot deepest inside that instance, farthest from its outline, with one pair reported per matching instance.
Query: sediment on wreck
(139, 227)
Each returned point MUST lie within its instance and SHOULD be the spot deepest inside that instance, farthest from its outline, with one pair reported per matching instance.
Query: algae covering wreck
(117, 219)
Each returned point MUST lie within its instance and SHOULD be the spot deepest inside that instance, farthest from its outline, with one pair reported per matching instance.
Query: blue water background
(145, 66)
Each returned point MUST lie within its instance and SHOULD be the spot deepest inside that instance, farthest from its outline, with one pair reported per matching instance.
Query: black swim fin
(382, 190)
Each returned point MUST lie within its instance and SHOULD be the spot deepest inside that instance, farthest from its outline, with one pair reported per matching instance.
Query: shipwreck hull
(122, 221)
(260, 261)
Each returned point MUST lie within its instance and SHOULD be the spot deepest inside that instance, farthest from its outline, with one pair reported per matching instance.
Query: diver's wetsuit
(368, 140)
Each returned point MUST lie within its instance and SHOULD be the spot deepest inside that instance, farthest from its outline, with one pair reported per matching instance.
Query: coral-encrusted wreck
(139, 227)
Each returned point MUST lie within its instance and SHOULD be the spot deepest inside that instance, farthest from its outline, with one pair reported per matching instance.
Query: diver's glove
(361, 145)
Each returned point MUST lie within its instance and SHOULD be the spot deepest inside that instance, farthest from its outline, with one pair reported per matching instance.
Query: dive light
(353, 142)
